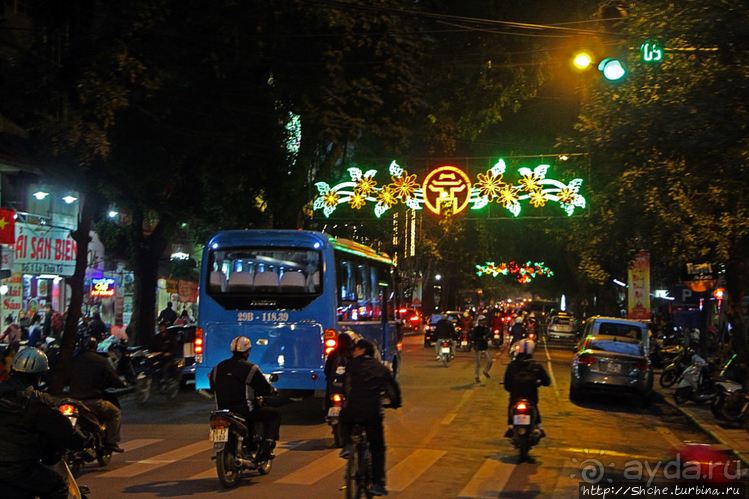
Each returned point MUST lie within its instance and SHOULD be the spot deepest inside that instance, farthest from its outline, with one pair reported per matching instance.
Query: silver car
(609, 363)
(562, 327)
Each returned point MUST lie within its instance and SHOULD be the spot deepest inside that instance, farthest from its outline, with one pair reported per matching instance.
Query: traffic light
(612, 69)
(582, 60)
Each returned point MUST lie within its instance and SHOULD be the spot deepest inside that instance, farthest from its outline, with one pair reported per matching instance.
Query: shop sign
(13, 298)
(103, 287)
(44, 250)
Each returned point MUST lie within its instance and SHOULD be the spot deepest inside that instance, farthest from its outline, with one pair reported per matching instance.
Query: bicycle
(359, 465)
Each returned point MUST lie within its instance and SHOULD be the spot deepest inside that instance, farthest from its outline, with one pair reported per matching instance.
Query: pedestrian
(480, 336)
(168, 315)
(24, 321)
(47, 330)
(183, 319)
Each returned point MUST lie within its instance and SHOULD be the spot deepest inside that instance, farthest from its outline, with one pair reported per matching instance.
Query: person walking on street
(480, 336)
(168, 315)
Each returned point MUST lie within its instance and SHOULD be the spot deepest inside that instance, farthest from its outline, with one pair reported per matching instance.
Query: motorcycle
(730, 402)
(237, 446)
(82, 418)
(445, 352)
(673, 370)
(496, 338)
(75, 491)
(334, 411)
(162, 373)
(695, 383)
(525, 434)
(464, 342)
(120, 357)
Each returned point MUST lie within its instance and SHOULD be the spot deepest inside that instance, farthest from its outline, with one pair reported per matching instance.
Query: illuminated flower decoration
(386, 197)
(567, 196)
(404, 187)
(531, 183)
(507, 195)
(490, 185)
(365, 186)
(538, 198)
(357, 201)
(330, 199)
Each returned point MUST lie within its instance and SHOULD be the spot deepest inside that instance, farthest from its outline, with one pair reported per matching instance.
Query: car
(613, 357)
(431, 324)
(562, 326)
(410, 320)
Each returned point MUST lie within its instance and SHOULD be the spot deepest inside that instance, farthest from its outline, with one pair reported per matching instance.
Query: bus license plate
(219, 435)
(334, 412)
(521, 419)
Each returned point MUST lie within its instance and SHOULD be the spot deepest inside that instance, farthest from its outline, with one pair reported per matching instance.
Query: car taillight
(521, 406)
(427, 328)
(586, 360)
(331, 341)
(198, 344)
(642, 366)
(67, 410)
(415, 318)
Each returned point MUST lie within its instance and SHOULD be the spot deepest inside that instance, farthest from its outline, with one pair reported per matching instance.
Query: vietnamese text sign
(638, 299)
(44, 250)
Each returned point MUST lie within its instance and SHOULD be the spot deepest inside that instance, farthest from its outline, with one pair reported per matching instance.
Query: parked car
(562, 326)
(429, 327)
(613, 358)
(411, 320)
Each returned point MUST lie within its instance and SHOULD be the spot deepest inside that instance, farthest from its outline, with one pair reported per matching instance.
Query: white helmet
(525, 346)
(241, 344)
(518, 320)
(30, 361)
(481, 318)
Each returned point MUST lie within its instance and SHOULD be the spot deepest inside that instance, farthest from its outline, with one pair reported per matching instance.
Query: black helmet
(89, 344)
(368, 346)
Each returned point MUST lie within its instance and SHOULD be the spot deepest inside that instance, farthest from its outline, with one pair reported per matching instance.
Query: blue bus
(291, 292)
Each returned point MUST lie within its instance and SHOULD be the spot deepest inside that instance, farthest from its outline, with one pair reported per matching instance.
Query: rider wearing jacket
(32, 428)
(444, 330)
(365, 380)
(237, 383)
(518, 331)
(90, 376)
(522, 378)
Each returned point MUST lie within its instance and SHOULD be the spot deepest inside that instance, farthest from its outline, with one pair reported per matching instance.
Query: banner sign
(13, 298)
(638, 299)
(44, 250)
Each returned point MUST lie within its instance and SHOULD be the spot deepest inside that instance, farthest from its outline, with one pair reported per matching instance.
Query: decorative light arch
(525, 272)
(449, 187)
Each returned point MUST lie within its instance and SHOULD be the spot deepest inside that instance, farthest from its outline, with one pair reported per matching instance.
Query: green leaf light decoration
(525, 272)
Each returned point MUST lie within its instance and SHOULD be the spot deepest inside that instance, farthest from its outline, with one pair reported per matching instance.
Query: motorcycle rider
(522, 379)
(518, 331)
(32, 428)
(90, 375)
(444, 330)
(335, 366)
(498, 325)
(365, 379)
(236, 383)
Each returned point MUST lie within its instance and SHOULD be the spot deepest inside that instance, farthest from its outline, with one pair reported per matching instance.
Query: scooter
(525, 434)
(695, 383)
(730, 402)
(496, 338)
(237, 447)
(161, 374)
(673, 370)
(445, 352)
(82, 418)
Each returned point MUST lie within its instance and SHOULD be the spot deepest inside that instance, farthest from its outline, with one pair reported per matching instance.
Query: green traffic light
(612, 69)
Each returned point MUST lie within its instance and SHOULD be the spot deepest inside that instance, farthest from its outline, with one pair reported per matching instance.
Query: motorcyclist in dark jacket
(32, 429)
(444, 330)
(365, 381)
(237, 383)
(90, 376)
(335, 367)
(518, 331)
(522, 378)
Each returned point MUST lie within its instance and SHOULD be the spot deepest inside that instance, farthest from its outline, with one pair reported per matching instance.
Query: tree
(669, 147)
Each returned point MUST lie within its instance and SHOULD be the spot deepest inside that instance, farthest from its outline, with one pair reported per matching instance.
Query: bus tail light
(198, 345)
(331, 340)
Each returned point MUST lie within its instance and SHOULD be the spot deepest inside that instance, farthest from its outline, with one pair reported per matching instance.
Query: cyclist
(365, 380)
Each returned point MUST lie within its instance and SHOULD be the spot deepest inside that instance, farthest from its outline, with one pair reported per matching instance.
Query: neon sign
(525, 272)
(102, 287)
(449, 189)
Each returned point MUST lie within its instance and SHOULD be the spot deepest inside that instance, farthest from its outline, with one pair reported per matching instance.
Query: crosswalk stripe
(159, 461)
(211, 473)
(407, 471)
(138, 443)
(316, 470)
(489, 480)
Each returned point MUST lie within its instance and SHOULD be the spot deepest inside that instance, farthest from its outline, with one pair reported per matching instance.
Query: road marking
(138, 443)
(489, 480)
(551, 372)
(449, 418)
(211, 473)
(407, 471)
(159, 461)
(316, 470)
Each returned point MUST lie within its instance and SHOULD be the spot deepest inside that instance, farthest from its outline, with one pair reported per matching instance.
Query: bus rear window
(265, 271)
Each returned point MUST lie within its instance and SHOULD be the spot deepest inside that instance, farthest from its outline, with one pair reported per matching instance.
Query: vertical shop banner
(13, 298)
(638, 296)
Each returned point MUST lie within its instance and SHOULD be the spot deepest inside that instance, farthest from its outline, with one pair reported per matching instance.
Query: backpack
(524, 381)
(58, 322)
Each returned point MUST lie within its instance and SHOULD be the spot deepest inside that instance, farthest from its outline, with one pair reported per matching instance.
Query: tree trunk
(735, 314)
(82, 237)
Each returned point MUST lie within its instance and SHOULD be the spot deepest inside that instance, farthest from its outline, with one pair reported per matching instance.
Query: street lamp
(438, 277)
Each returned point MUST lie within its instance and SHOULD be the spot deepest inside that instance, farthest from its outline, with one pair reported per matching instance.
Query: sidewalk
(731, 435)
